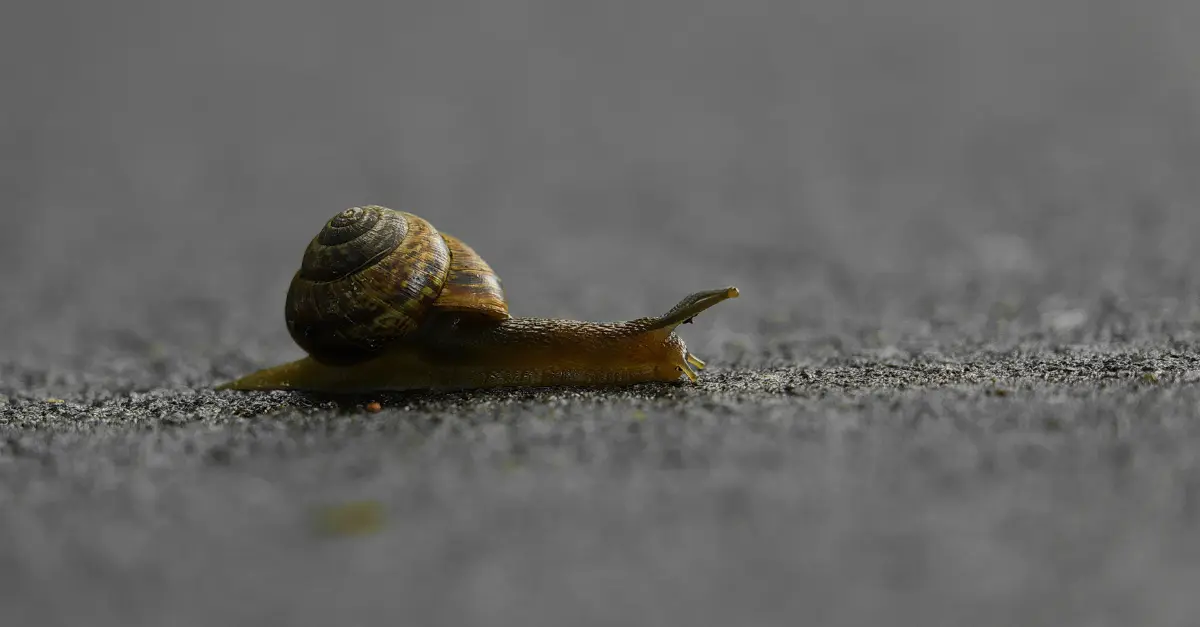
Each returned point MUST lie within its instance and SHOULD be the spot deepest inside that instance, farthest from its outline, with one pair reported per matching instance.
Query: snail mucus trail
(383, 301)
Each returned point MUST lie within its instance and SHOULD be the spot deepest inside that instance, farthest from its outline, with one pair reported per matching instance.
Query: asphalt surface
(958, 388)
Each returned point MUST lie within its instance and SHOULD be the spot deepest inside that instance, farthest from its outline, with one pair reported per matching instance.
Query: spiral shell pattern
(368, 279)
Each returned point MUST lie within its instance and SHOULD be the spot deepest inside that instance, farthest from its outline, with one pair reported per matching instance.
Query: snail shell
(373, 276)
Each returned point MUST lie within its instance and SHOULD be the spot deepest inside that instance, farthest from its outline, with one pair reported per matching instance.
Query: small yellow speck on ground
(356, 518)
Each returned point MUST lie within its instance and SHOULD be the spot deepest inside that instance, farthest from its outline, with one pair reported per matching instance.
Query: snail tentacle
(693, 304)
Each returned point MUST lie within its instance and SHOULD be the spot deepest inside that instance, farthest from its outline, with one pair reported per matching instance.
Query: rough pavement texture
(959, 386)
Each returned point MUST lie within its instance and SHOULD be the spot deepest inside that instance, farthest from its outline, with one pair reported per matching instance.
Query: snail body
(384, 302)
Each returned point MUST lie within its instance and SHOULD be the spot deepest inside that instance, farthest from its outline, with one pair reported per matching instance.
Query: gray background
(957, 388)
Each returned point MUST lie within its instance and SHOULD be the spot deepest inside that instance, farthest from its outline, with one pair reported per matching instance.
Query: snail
(383, 301)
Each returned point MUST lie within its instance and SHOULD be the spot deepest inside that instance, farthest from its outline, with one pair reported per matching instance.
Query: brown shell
(367, 280)
(373, 275)
(472, 287)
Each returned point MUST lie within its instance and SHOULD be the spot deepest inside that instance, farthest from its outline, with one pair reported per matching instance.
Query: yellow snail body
(384, 302)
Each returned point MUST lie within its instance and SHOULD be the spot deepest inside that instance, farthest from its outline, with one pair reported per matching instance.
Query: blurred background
(868, 172)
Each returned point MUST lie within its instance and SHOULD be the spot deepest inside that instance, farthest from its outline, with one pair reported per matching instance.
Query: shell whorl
(350, 241)
(368, 279)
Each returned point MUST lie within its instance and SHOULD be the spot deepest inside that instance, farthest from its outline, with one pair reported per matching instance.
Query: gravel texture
(959, 387)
